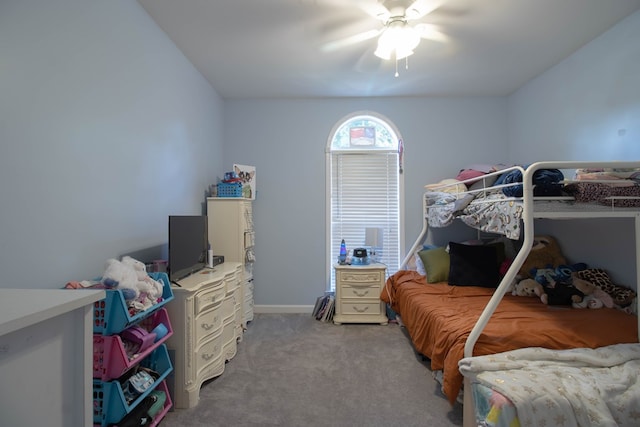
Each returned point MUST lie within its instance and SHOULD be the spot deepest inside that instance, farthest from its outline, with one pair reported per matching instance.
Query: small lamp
(373, 240)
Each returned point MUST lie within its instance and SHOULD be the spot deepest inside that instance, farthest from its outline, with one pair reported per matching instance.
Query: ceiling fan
(400, 34)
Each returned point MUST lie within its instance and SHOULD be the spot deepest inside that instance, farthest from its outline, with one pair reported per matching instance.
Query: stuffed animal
(117, 275)
(152, 288)
(560, 294)
(589, 301)
(594, 296)
(129, 275)
(563, 273)
(563, 294)
(529, 288)
(545, 253)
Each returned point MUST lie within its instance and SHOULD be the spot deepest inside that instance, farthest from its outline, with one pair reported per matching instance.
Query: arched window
(364, 179)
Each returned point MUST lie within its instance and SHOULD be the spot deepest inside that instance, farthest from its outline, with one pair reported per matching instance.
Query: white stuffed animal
(130, 276)
(117, 275)
(146, 284)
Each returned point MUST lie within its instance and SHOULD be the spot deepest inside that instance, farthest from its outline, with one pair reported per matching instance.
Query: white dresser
(207, 324)
(358, 289)
(231, 233)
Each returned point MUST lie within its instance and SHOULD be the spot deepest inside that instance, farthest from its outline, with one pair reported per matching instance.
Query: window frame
(329, 152)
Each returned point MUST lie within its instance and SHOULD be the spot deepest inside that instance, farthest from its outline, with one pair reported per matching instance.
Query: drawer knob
(209, 356)
(207, 326)
(361, 310)
(361, 294)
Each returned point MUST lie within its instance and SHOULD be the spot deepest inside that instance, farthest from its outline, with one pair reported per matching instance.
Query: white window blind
(365, 193)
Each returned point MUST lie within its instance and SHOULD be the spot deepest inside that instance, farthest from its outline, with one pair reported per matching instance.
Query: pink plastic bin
(110, 359)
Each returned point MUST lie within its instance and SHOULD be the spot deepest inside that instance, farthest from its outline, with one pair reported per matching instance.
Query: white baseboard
(277, 309)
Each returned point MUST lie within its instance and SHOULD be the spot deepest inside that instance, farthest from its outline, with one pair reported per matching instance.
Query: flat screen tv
(188, 244)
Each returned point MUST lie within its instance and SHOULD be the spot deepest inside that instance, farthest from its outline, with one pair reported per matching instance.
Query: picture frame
(247, 175)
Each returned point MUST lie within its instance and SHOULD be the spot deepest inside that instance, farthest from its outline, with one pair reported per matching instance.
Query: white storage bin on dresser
(231, 234)
(207, 326)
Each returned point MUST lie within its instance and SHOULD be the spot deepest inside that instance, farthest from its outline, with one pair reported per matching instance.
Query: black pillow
(473, 265)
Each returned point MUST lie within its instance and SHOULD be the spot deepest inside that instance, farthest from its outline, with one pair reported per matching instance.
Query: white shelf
(20, 308)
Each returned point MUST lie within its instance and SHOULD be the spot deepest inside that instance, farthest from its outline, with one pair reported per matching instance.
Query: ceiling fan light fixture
(397, 41)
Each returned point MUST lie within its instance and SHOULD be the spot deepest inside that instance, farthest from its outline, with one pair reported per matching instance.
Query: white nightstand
(358, 289)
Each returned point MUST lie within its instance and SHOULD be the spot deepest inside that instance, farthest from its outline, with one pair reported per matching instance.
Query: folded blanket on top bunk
(546, 182)
(586, 387)
(486, 202)
(611, 187)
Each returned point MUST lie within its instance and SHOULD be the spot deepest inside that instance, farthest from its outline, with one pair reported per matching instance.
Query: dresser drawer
(208, 353)
(228, 308)
(359, 277)
(209, 297)
(372, 290)
(360, 307)
(208, 323)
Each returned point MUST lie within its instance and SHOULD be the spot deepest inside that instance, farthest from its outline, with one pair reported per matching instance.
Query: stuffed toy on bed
(559, 294)
(545, 253)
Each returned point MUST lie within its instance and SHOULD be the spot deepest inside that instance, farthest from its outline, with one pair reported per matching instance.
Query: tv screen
(188, 244)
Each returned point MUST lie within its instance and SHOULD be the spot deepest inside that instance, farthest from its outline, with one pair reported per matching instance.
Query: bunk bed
(459, 327)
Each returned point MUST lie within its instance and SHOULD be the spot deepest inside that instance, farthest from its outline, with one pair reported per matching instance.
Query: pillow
(436, 264)
(453, 186)
(621, 296)
(472, 265)
(501, 254)
(418, 264)
(469, 174)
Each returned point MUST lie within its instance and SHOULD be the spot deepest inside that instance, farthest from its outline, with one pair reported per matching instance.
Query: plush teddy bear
(545, 253)
(529, 288)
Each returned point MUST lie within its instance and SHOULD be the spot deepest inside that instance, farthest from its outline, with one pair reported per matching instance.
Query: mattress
(439, 317)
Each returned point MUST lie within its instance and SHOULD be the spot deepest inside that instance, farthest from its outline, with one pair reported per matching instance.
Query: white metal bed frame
(529, 214)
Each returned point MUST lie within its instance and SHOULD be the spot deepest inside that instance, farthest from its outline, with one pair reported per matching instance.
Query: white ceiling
(277, 48)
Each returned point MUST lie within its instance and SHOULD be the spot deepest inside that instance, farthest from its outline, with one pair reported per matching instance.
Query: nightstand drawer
(209, 298)
(371, 290)
(359, 277)
(360, 307)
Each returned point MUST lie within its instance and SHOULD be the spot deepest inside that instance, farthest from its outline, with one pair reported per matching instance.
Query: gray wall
(587, 107)
(105, 129)
(286, 140)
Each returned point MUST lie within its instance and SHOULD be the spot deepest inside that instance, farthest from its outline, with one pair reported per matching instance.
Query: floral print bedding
(491, 212)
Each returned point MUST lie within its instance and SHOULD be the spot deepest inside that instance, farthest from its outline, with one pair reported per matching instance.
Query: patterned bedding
(582, 386)
(617, 193)
(500, 210)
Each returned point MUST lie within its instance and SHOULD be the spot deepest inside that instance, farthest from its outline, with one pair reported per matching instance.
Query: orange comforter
(439, 318)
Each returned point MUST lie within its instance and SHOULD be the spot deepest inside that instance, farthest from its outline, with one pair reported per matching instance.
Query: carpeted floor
(292, 370)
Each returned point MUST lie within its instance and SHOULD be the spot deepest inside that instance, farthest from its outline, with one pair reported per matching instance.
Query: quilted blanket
(577, 387)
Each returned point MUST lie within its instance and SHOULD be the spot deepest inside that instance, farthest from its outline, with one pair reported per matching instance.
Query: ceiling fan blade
(431, 32)
(375, 9)
(351, 40)
(421, 8)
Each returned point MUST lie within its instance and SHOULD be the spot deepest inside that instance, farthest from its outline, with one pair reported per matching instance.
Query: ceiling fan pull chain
(406, 64)
(397, 68)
